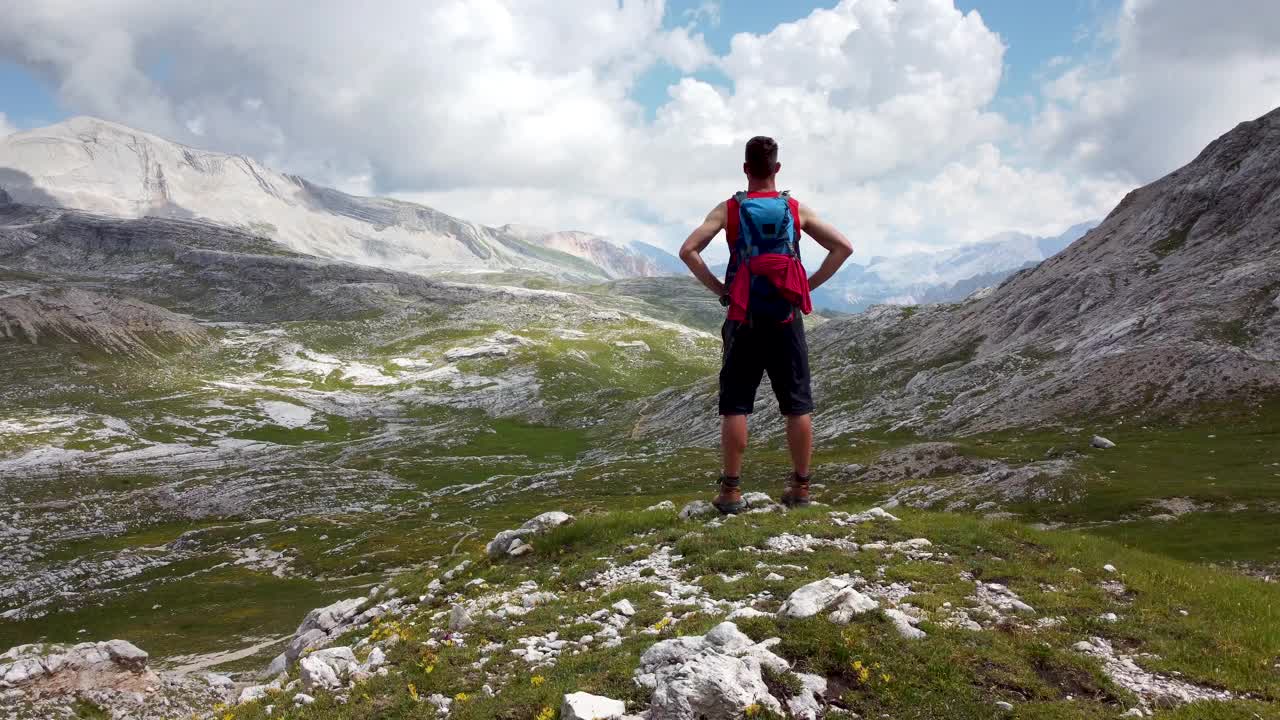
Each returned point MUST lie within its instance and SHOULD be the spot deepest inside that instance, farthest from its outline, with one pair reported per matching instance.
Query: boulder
(459, 618)
(850, 603)
(809, 600)
(512, 542)
(329, 668)
(585, 706)
(715, 677)
(331, 616)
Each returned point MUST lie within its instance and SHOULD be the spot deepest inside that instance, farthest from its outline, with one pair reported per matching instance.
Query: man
(763, 332)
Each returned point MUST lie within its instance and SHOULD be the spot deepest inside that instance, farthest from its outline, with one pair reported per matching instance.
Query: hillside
(1170, 306)
(104, 168)
(206, 432)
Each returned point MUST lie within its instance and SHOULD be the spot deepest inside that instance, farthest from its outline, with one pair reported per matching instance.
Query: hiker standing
(764, 287)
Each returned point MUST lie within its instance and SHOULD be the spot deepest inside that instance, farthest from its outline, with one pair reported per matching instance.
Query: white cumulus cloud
(522, 110)
(1176, 75)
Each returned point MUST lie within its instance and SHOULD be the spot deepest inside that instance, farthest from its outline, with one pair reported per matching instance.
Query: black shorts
(752, 350)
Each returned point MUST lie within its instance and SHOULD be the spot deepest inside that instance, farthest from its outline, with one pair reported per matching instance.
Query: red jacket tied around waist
(785, 272)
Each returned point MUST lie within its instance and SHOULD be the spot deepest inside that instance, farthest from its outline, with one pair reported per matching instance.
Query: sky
(911, 124)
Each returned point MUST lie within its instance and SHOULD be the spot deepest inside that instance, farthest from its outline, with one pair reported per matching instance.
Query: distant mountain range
(944, 276)
(101, 167)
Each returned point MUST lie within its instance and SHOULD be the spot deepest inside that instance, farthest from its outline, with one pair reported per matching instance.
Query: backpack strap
(794, 206)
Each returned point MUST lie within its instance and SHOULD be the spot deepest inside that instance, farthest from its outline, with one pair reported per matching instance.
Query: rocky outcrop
(515, 543)
(51, 669)
(112, 324)
(50, 680)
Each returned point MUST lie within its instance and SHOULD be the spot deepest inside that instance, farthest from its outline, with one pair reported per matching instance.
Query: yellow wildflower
(461, 697)
(413, 692)
(537, 680)
(752, 710)
(546, 714)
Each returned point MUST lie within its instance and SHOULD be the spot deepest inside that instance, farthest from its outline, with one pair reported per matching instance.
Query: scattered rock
(664, 505)
(1151, 689)
(1101, 443)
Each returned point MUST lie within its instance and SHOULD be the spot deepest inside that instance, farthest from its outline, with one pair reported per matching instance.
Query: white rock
(303, 699)
(329, 668)
(546, 521)
(809, 600)
(585, 706)
(664, 505)
(850, 603)
(697, 508)
(714, 677)
(904, 623)
(625, 607)
(1101, 443)
(254, 693)
(774, 577)
(332, 616)
(459, 619)
(1004, 705)
(1109, 568)
(806, 705)
(377, 658)
(757, 499)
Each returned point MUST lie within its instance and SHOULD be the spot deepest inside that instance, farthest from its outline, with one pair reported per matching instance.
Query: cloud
(5, 127)
(1175, 75)
(522, 110)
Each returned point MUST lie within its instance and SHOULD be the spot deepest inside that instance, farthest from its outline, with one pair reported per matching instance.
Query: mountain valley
(210, 427)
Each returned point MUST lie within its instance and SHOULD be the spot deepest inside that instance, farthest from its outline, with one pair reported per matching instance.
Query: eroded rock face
(114, 324)
(716, 676)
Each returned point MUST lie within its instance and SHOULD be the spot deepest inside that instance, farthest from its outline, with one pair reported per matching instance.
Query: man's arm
(837, 245)
(691, 251)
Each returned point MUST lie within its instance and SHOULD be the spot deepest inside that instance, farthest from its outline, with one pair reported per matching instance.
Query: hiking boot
(729, 501)
(797, 492)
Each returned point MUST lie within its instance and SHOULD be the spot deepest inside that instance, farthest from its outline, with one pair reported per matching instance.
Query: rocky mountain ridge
(101, 167)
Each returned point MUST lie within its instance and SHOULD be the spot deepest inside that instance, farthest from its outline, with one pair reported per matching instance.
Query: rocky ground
(827, 612)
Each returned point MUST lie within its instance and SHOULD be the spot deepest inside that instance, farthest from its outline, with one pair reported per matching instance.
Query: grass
(1228, 638)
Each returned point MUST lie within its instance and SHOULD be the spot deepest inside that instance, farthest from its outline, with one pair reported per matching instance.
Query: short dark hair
(762, 156)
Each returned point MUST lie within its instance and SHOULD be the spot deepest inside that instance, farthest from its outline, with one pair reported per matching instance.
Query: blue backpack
(758, 224)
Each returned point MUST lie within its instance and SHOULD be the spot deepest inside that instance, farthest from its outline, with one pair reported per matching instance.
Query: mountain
(942, 276)
(668, 264)
(1169, 308)
(105, 168)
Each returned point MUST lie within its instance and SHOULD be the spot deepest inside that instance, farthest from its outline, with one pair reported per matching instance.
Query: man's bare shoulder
(719, 213)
